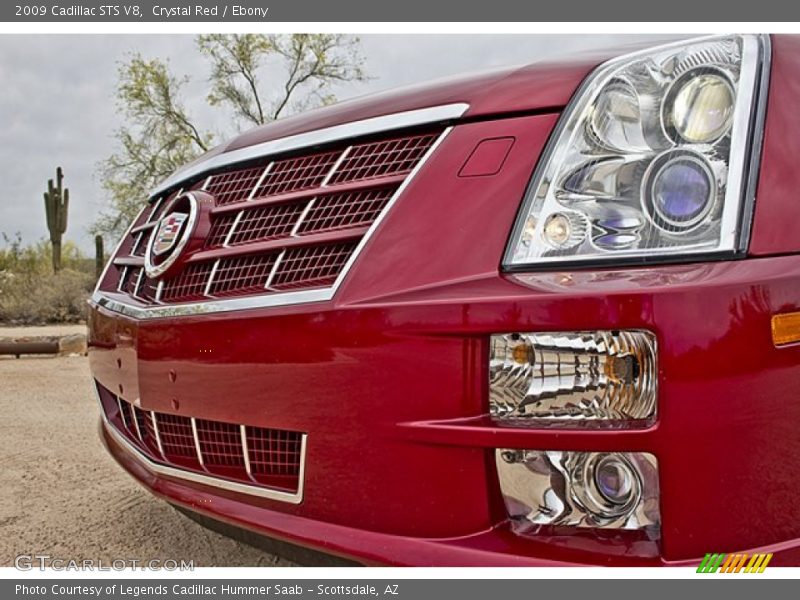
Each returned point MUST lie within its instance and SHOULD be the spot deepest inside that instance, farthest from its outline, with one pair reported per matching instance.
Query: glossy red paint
(775, 225)
(389, 382)
(405, 453)
(487, 158)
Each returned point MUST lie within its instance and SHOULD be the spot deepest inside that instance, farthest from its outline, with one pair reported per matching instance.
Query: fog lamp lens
(580, 489)
(614, 479)
(573, 376)
(702, 106)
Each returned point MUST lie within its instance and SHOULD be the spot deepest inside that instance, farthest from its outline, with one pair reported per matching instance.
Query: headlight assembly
(652, 159)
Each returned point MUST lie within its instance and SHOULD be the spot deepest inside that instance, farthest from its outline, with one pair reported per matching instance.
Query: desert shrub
(36, 258)
(31, 300)
(31, 294)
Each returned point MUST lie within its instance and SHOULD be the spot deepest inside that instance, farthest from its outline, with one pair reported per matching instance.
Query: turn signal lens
(786, 329)
(585, 375)
(580, 489)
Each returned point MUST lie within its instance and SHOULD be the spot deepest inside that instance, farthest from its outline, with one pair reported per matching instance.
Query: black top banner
(395, 10)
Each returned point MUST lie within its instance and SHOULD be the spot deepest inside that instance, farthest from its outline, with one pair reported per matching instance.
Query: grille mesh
(274, 456)
(177, 438)
(301, 216)
(127, 417)
(189, 284)
(233, 186)
(220, 443)
(269, 222)
(314, 266)
(342, 211)
(242, 275)
(296, 174)
(140, 244)
(220, 226)
(146, 426)
(389, 157)
(130, 282)
(273, 452)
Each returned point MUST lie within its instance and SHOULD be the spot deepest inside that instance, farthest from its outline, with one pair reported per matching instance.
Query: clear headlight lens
(651, 159)
(702, 106)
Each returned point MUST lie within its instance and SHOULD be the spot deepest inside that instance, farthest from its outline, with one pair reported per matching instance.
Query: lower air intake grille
(269, 458)
(281, 225)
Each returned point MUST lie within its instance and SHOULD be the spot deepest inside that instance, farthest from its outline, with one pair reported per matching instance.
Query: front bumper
(391, 393)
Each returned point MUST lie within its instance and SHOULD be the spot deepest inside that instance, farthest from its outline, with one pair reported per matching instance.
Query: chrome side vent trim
(158, 434)
(197, 443)
(245, 451)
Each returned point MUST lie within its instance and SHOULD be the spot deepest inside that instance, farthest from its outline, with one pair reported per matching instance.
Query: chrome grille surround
(287, 294)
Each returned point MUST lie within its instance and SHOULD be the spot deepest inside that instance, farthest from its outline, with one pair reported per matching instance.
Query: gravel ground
(42, 331)
(62, 495)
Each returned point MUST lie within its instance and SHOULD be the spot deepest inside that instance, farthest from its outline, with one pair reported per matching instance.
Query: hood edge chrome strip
(400, 120)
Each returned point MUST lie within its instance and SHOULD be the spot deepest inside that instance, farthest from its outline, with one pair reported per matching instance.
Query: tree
(311, 63)
(161, 135)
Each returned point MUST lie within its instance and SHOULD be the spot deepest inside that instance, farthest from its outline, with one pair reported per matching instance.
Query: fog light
(573, 376)
(580, 489)
(614, 479)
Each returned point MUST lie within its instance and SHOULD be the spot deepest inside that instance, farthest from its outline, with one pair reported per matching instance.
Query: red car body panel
(775, 222)
(389, 378)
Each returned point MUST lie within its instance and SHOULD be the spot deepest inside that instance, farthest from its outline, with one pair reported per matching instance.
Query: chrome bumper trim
(200, 308)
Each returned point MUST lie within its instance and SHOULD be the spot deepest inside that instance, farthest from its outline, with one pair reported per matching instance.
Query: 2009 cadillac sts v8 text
(542, 316)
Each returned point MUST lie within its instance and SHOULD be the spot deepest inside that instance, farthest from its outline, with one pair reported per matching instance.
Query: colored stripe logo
(734, 563)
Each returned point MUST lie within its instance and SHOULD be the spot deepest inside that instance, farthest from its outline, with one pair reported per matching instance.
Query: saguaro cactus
(56, 204)
(99, 258)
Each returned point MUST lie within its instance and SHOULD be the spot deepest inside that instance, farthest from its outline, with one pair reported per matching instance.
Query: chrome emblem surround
(170, 236)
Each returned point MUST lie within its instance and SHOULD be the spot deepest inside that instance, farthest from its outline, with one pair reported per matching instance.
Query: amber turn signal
(786, 328)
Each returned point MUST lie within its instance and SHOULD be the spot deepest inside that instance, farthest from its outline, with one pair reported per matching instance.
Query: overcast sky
(57, 102)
